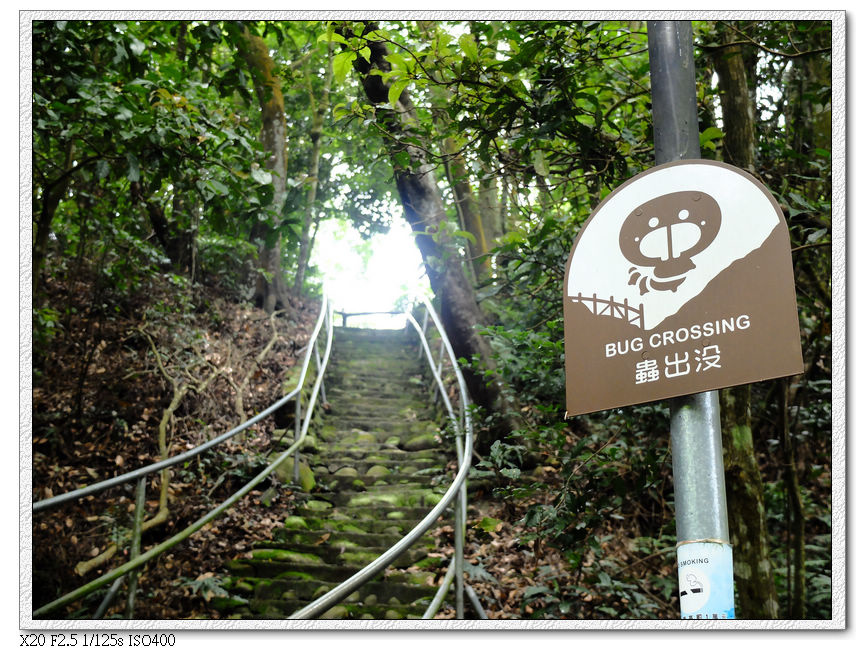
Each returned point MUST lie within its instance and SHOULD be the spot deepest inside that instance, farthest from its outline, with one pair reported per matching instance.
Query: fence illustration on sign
(621, 310)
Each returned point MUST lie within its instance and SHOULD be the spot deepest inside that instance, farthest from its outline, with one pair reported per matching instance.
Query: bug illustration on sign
(681, 276)
(665, 233)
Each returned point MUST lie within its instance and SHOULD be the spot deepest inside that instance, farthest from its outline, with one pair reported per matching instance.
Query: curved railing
(325, 319)
(460, 423)
(462, 427)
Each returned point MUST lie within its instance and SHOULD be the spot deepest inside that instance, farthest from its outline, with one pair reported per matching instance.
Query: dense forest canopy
(181, 163)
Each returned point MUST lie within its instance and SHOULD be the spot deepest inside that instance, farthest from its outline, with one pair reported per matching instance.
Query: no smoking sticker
(694, 590)
(706, 580)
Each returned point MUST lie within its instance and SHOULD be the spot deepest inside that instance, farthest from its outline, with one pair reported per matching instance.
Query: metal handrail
(326, 316)
(50, 502)
(457, 488)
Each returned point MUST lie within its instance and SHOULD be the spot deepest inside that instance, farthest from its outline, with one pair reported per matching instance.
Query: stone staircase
(372, 470)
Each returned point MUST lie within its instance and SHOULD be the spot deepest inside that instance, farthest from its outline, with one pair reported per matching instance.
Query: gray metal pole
(704, 554)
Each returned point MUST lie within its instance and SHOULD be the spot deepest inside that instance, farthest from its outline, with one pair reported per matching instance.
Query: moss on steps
(370, 473)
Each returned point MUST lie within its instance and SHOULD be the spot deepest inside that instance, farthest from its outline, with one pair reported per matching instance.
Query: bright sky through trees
(373, 275)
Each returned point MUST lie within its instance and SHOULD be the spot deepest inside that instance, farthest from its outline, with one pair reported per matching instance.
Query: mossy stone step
(372, 396)
(387, 525)
(276, 569)
(349, 476)
(337, 483)
(364, 459)
(307, 588)
(349, 348)
(341, 399)
(280, 608)
(391, 423)
(376, 431)
(390, 495)
(399, 374)
(369, 386)
(378, 456)
(429, 465)
(404, 411)
(289, 538)
(380, 511)
(338, 553)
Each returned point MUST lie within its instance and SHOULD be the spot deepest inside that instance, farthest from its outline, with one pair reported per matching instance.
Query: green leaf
(262, 176)
(401, 160)
(489, 524)
(395, 90)
(342, 65)
(396, 60)
(511, 473)
(218, 187)
(340, 111)
(133, 171)
(136, 46)
(798, 198)
(817, 234)
(331, 37)
(467, 235)
(469, 47)
(539, 162)
(709, 135)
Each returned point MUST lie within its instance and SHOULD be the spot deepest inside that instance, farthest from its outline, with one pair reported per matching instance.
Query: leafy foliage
(151, 188)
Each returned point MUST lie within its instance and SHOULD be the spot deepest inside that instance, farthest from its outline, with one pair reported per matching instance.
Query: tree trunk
(425, 213)
(468, 211)
(749, 533)
(176, 243)
(51, 195)
(271, 291)
(796, 526)
(491, 209)
(752, 567)
(736, 105)
(319, 108)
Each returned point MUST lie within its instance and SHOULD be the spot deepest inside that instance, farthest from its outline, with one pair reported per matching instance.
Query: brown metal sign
(681, 281)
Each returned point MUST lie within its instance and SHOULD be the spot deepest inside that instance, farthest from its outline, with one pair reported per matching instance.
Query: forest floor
(99, 398)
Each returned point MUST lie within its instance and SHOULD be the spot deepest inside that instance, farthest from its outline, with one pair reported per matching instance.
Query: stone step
(282, 608)
(336, 452)
(333, 554)
(385, 525)
(342, 401)
(363, 407)
(368, 511)
(389, 495)
(378, 456)
(348, 452)
(399, 461)
(391, 338)
(349, 425)
(289, 538)
(344, 483)
(372, 593)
